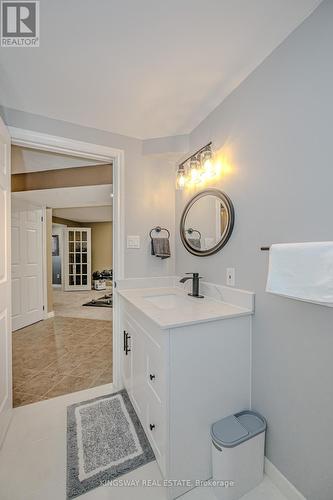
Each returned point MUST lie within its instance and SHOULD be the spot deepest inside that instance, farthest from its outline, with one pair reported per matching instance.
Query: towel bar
(160, 247)
(158, 229)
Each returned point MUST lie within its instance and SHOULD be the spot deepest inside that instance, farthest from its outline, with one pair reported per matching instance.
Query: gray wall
(276, 128)
(149, 187)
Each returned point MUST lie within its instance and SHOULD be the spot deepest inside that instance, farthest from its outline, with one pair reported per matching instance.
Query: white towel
(302, 271)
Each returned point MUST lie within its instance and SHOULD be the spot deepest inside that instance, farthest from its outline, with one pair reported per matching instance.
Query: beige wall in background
(101, 245)
(49, 259)
(66, 177)
(66, 222)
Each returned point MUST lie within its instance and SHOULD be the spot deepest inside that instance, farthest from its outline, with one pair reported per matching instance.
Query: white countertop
(172, 307)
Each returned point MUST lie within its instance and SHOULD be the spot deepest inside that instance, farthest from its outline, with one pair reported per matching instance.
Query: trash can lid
(235, 429)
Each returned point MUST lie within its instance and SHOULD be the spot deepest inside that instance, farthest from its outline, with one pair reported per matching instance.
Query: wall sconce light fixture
(196, 168)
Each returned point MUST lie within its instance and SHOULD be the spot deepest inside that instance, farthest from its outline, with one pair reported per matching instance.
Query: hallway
(59, 356)
(70, 304)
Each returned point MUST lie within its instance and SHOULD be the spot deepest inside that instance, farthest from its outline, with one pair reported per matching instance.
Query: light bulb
(208, 168)
(195, 170)
(207, 164)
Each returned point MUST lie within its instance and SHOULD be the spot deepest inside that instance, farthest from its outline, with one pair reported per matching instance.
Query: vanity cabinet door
(155, 374)
(127, 356)
(155, 429)
(138, 373)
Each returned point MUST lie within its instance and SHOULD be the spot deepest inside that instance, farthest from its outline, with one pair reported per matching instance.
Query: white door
(77, 258)
(5, 284)
(27, 265)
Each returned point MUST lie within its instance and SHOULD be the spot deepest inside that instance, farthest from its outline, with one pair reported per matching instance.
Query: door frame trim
(64, 145)
(62, 251)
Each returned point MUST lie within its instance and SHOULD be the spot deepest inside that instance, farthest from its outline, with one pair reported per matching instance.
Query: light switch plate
(230, 276)
(133, 241)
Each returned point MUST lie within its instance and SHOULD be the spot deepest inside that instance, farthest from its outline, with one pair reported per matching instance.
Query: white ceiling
(85, 214)
(35, 160)
(145, 68)
(72, 197)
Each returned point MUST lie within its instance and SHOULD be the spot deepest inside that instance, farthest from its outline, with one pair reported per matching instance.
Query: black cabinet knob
(152, 426)
(152, 377)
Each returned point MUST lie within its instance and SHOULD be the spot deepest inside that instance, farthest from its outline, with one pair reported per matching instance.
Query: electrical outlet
(230, 276)
(133, 241)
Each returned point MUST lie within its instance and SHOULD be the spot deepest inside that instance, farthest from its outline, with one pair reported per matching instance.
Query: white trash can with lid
(238, 445)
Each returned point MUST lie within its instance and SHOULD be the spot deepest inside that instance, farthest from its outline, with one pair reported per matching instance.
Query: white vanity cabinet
(181, 380)
(144, 376)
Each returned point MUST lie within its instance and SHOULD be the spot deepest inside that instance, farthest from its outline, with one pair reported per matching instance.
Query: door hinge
(42, 218)
(115, 284)
(43, 308)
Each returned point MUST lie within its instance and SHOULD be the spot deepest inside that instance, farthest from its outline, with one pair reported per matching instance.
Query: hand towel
(302, 271)
(160, 247)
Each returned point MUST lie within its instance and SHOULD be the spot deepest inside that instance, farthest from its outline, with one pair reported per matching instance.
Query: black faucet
(195, 284)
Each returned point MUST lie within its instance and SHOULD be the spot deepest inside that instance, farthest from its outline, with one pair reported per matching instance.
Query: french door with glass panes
(77, 258)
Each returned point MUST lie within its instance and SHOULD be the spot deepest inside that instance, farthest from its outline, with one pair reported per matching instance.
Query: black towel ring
(190, 230)
(158, 229)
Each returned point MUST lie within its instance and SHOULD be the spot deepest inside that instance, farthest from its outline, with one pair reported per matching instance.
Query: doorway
(70, 278)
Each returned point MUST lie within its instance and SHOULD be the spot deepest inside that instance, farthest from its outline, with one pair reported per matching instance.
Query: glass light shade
(195, 170)
(181, 179)
(206, 159)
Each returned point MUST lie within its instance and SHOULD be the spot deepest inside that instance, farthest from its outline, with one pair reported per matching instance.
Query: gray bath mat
(105, 439)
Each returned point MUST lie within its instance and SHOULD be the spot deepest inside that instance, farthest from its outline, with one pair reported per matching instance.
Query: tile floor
(33, 459)
(69, 304)
(60, 355)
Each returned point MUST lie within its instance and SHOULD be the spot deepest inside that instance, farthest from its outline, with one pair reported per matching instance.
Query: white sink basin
(171, 307)
(167, 301)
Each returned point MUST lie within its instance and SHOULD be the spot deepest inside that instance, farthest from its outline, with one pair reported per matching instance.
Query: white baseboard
(49, 315)
(281, 482)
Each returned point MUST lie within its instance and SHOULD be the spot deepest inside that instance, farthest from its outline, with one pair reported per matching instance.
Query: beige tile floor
(59, 356)
(69, 304)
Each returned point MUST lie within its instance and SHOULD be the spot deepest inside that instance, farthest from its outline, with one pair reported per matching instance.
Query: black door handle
(127, 349)
(152, 426)
(151, 376)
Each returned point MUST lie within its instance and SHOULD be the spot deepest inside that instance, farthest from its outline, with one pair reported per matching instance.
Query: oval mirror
(207, 222)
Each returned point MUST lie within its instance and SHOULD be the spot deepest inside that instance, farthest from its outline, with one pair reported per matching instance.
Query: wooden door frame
(63, 145)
